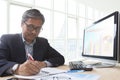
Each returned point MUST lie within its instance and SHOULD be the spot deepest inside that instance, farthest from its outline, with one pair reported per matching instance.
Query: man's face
(31, 28)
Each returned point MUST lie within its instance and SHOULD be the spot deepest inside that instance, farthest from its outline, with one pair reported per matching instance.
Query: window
(72, 29)
(59, 25)
(44, 3)
(59, 5)
(72, 7)
(82, 10)
(47, 25)
(65, 21)
(3, 17)
(89, 13)
(25, 1)
(59, 45)
(16, 13)
(71, 49)
(81, 27)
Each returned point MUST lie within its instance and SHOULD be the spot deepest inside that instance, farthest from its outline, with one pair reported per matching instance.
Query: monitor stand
(103, 65)
(99, 63)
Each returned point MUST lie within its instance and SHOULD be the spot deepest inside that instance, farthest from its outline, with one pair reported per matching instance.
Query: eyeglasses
(32, 27)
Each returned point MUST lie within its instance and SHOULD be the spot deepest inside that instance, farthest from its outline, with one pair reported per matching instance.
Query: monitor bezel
(116, 40)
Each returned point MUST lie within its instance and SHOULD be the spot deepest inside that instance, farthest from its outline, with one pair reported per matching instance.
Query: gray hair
(32, 13)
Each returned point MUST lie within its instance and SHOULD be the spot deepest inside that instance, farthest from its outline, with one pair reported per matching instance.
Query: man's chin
(32, 38)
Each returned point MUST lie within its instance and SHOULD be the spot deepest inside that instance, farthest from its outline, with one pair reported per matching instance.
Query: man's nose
(34, 31)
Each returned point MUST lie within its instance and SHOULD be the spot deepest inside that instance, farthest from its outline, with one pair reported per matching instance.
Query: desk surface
(105, 73)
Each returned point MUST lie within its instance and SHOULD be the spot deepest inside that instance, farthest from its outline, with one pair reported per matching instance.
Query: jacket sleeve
(53, 56)
(4, 54)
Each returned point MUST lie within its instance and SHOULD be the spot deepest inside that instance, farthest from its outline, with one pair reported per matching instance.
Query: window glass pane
(25, 1)
(80, 47)
(58, 3)
(59, 45)
(44, 3)
(3, 17)
(72, 7)
(71, 48)
(81, 27)
(102, 15)
(90, 22)
(89, 12)
(47, 25)
(81, 33)
(82, 10)
(59, 25)
(96, 15)
(72, 28)
(16, 13)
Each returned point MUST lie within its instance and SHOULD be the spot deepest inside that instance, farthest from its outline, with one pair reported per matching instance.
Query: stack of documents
(49, 73)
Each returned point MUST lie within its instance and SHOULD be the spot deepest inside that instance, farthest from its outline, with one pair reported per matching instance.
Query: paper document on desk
(58, 74)
(73, 76)
(44, 72)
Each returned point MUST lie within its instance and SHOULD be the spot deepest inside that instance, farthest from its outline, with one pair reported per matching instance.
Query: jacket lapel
(22, 49)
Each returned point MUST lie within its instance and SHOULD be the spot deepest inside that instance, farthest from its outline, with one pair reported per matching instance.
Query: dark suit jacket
(12, 51)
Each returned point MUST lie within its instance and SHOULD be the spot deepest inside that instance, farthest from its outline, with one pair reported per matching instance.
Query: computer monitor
(101, 39)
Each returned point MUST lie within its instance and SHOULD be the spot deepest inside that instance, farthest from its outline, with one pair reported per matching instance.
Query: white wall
(107, 6)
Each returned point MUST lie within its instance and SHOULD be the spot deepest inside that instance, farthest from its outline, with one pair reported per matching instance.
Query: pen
(30, 57)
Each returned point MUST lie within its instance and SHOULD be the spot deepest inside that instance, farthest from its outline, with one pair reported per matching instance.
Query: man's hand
(30, 67)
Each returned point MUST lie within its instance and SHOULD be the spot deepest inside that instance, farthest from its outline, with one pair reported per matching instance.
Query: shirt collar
(24, 41)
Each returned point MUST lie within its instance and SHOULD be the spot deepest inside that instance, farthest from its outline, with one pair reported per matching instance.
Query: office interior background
(65, 20)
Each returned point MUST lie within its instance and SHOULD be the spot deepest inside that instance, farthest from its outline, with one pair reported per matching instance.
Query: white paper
(73, 76)
(51, 70)
(58, 74)
(43, 72)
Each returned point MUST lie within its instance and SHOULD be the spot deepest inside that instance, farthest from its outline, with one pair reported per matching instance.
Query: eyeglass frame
(32, 27)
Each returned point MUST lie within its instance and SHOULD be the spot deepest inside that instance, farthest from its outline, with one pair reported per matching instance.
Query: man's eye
(30, 26)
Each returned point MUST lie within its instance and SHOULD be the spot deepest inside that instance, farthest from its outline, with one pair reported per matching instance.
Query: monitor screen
(101, 39)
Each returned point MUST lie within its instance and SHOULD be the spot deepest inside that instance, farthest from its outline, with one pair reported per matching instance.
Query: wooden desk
(105, 73)
(5, 78)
